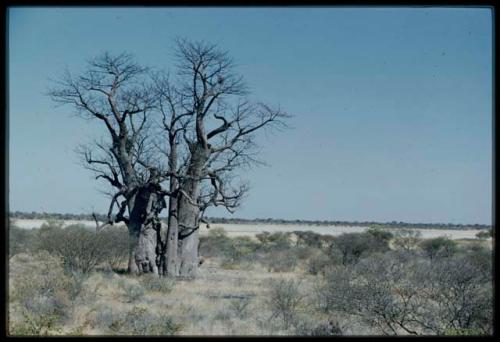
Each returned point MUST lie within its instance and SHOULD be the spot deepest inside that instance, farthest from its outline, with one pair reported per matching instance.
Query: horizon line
(394, 222)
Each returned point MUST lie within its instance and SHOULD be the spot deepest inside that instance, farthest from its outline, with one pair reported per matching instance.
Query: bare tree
(193, 132)
(114, 91)
(207, 112)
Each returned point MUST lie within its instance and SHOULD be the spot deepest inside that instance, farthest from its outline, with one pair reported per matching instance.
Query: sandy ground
(252, 229)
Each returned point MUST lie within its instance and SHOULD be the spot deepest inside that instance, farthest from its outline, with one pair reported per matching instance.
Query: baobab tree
(113, 90)
(194, 130)
(206, 111)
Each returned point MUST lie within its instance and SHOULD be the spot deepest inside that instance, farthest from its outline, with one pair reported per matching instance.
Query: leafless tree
(113, 90)
(205, 111)
(194, 131)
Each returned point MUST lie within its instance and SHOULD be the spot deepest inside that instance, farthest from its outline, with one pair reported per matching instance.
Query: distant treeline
(394, 224)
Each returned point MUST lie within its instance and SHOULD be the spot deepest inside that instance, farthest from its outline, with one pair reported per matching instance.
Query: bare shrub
(132, 292)
(320, 263)
(280, 260)
(285, 300)
(20, 240)
(463, 294)
(44, 295)
(239, 306)
(275, 241)
(481, 257)
(80, 249)
(308, 239)
(40, 322)
(309, 327)
(406, 239)
(116, 244)
(101, 317)
(397, 294)
(154, 283)
(139, 321)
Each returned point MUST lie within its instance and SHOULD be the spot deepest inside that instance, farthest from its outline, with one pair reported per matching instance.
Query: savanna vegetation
(171, 146)
(73, 281)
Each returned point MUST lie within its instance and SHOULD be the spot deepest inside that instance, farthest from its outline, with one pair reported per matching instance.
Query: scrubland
(72, 281)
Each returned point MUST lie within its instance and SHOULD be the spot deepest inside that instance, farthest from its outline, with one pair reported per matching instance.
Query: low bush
(239, 306)
(308, 239)
(116, 244)
(153, 283)
(79, 248)
(483, 235)
(285, 300)
(275, 241)
(397, 294)
(311, 328)
(280, 260)
(319, 263)
(44, 294)
(132, 292)
(354, 246)
(230, 251)
(439, 247)
(406, 239)
(20, 240)
(139, 321)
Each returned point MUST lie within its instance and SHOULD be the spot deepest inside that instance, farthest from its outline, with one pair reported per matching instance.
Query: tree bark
(188, 215)
(172, 239)
(143, 233)
(188, 239)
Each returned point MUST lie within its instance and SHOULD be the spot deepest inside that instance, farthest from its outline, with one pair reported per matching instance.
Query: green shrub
(483, 235)
(308, 238)
(381, 236)
(215, 243)
(439, 247)
(230, 251)
(354, 246)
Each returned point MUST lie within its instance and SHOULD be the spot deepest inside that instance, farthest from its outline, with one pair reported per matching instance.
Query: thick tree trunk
(172, 240)
(188, 215)
(188, 239)
(143, 234)
(170, 260)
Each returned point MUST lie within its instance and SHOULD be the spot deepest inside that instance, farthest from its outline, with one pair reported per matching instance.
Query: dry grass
(222, 300)
(219, 302)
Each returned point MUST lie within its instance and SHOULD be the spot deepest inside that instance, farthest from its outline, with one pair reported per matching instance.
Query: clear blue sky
(393, 106)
